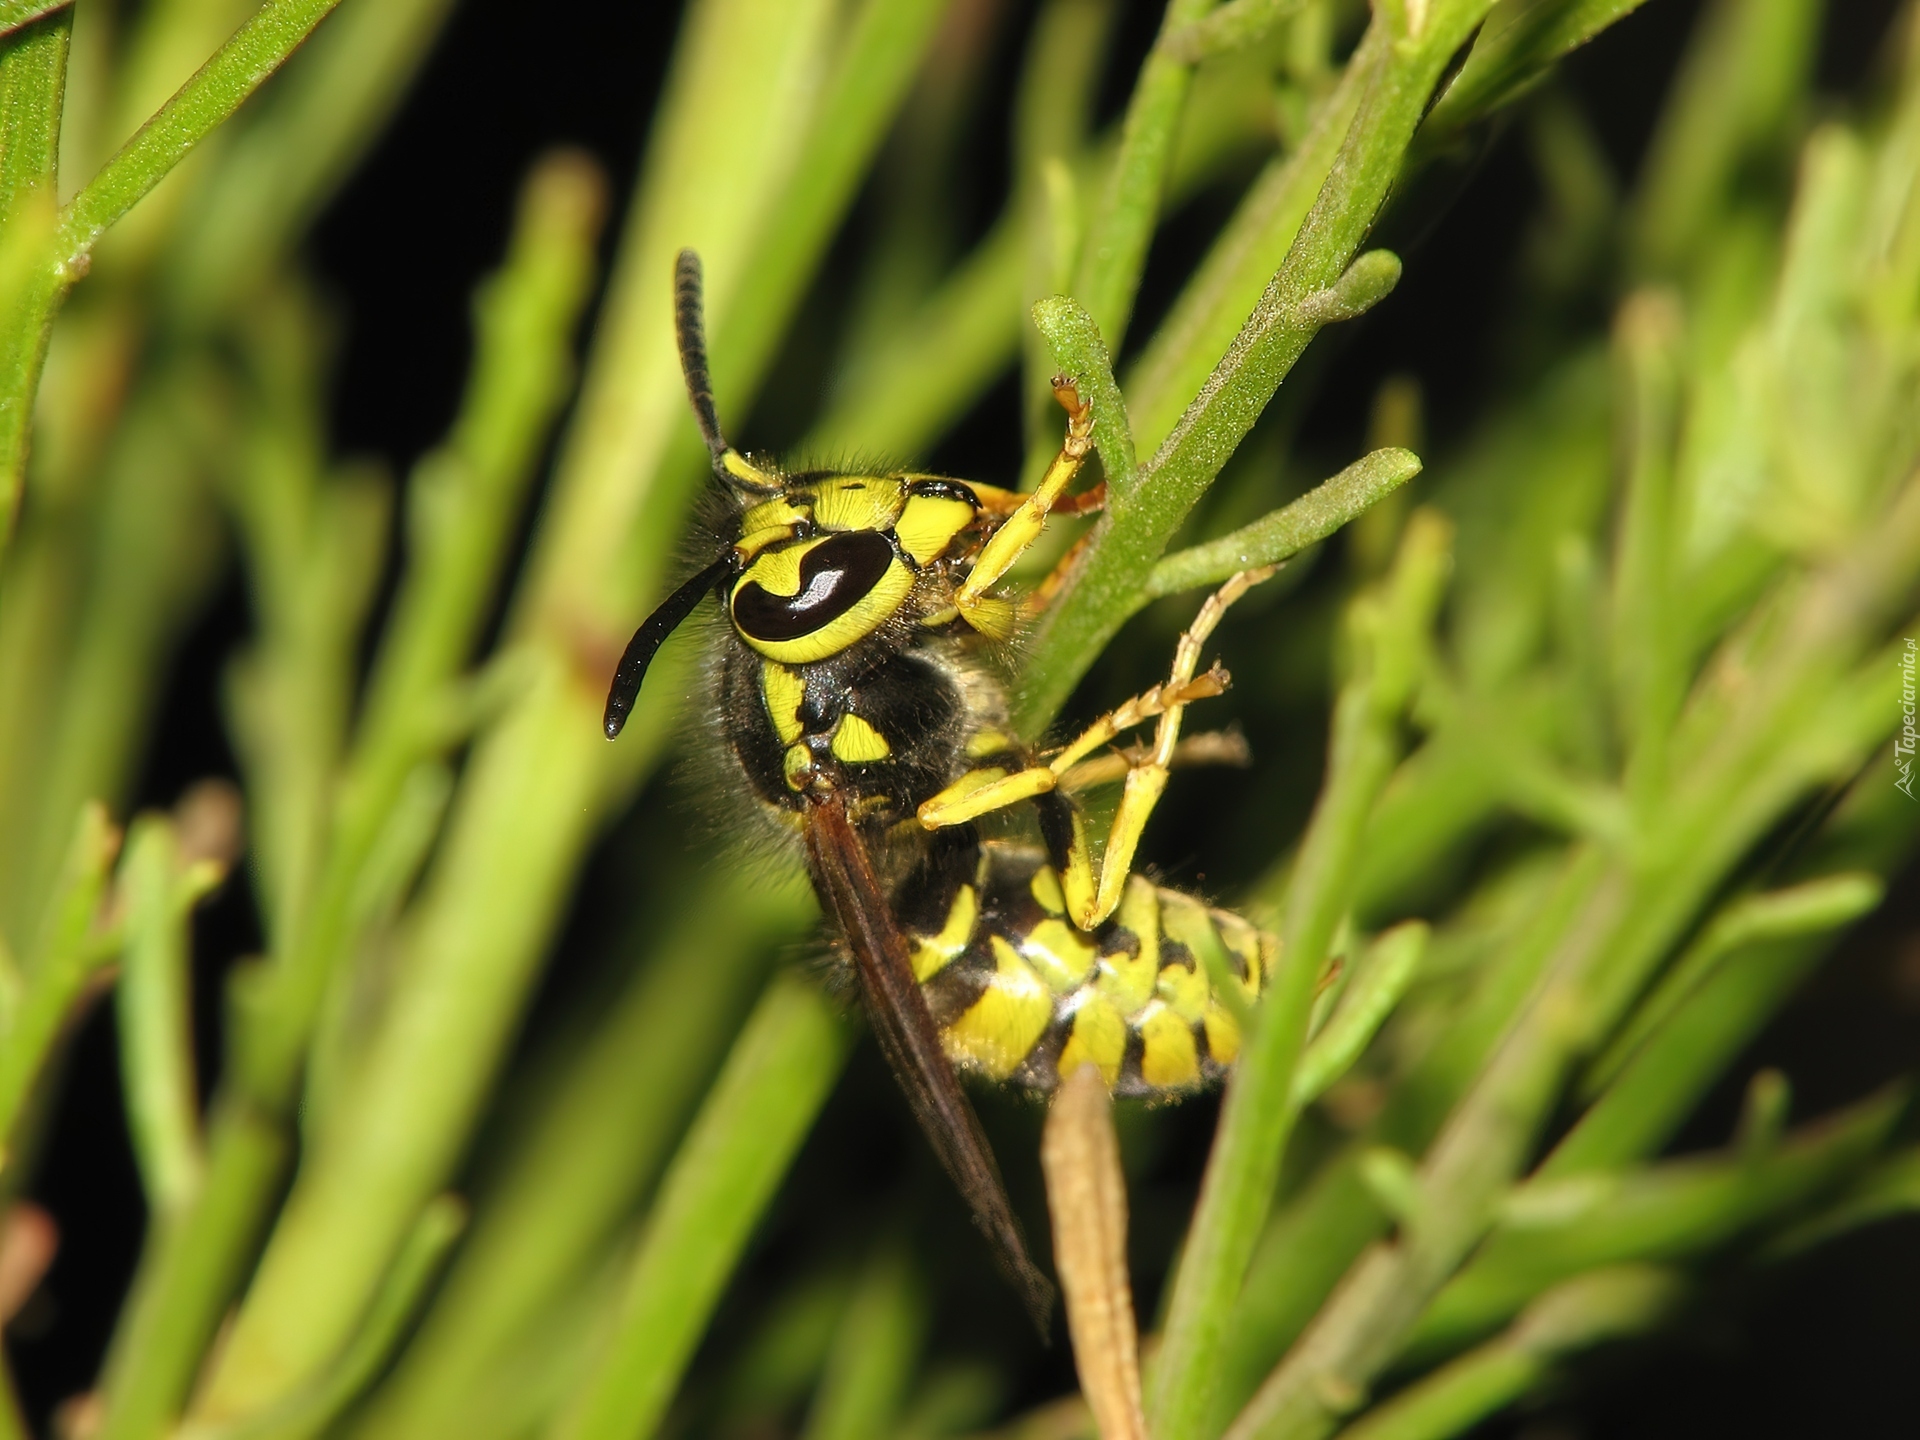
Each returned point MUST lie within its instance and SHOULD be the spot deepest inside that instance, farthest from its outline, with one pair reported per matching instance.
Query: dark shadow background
(1827, 1346)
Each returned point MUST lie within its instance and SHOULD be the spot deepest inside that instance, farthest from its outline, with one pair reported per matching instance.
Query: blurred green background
(1512, 241)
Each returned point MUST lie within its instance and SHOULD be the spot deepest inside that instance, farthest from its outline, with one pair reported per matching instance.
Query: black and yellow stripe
(1021, 996)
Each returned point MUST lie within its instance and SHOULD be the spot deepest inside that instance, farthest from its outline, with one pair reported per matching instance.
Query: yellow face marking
(1129, 981)
(933, 953)
(1169, 1059)
(1185, 991)
(856, 502)
(778, 573)
(928, 524)
(1099, 1037)
(858, 743)
(783, 691)
(1060, 954)
(1045, 889)
(1001, 1028)
(797, 766)
(739, 467)
(1223, 1035)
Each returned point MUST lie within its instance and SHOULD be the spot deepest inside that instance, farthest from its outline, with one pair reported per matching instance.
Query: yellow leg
(1092, 897)
(1023, 526)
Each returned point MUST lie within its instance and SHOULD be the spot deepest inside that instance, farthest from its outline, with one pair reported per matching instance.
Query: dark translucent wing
(648, 638)
(911, 1043)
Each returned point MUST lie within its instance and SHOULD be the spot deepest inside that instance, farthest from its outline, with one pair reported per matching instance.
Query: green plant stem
(1257, 1116)
(541, 776)
(1233, 26)
(33, 78)
(236, 70)
(1115, 251)
(1757, 763)
(872, 1356)
(1815, 908)
(1382, 979)
(1648, 660)
(217, 89)
(309, 1412)
(1225, 289)
(1515, 49)
(1075, 341)
(591, 1151)
(1554, 1229)
(16, 13)
(1606, 1305)
(761, 1108)
(1744, 72)
(282, 162)
(1094, 600)
(156, 1032)
(464, 510)
(61, 965)
(1289, 530)
(33, 82)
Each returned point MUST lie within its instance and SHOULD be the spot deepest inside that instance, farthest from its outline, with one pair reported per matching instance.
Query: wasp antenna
(648, 639)
(690, 332)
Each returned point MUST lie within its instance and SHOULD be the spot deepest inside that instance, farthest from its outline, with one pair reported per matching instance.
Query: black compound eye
(835, 575)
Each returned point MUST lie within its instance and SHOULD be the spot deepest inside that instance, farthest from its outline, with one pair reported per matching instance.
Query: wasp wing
(909, 1039)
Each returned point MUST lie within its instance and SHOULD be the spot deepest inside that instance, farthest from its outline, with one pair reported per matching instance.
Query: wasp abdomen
(1022, 995)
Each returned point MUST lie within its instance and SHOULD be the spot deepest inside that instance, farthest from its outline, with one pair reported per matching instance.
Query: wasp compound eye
(834, 576)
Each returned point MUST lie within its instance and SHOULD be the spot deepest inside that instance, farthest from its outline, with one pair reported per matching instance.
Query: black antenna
(651, 635)
(690, 330)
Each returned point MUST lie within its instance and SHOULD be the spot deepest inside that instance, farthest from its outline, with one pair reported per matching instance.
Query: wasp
(856, 688)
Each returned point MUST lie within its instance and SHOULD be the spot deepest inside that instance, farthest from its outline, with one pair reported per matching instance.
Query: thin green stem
(1226, 287)
(156, 1028)
(1257, 1117)
(16, 13)
(1234, 26)
(1075, 340)
(593, 1148)
(1518, 45)
(465, 506)
(1289, 530)
(1115, 251)
(726, 1170)
(217, 89)
(236, 70)
(1554, 1228)
(285, 160)
(64, 961)
(541, 775)
(1606, 1305)
(1095, 599)
(1383, 975)
(872, 1356)
(309, 1412)
(33, 77)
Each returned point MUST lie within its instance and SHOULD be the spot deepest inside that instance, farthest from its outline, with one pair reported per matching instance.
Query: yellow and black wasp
(855, 687)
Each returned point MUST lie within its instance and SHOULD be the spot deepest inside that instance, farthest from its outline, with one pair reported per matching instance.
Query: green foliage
(1644, 620)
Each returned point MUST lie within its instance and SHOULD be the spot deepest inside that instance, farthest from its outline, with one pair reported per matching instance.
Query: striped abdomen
(1021, 995)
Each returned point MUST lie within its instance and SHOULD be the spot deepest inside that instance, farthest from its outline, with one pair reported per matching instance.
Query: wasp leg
(1093, 894)
(1023, 526)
